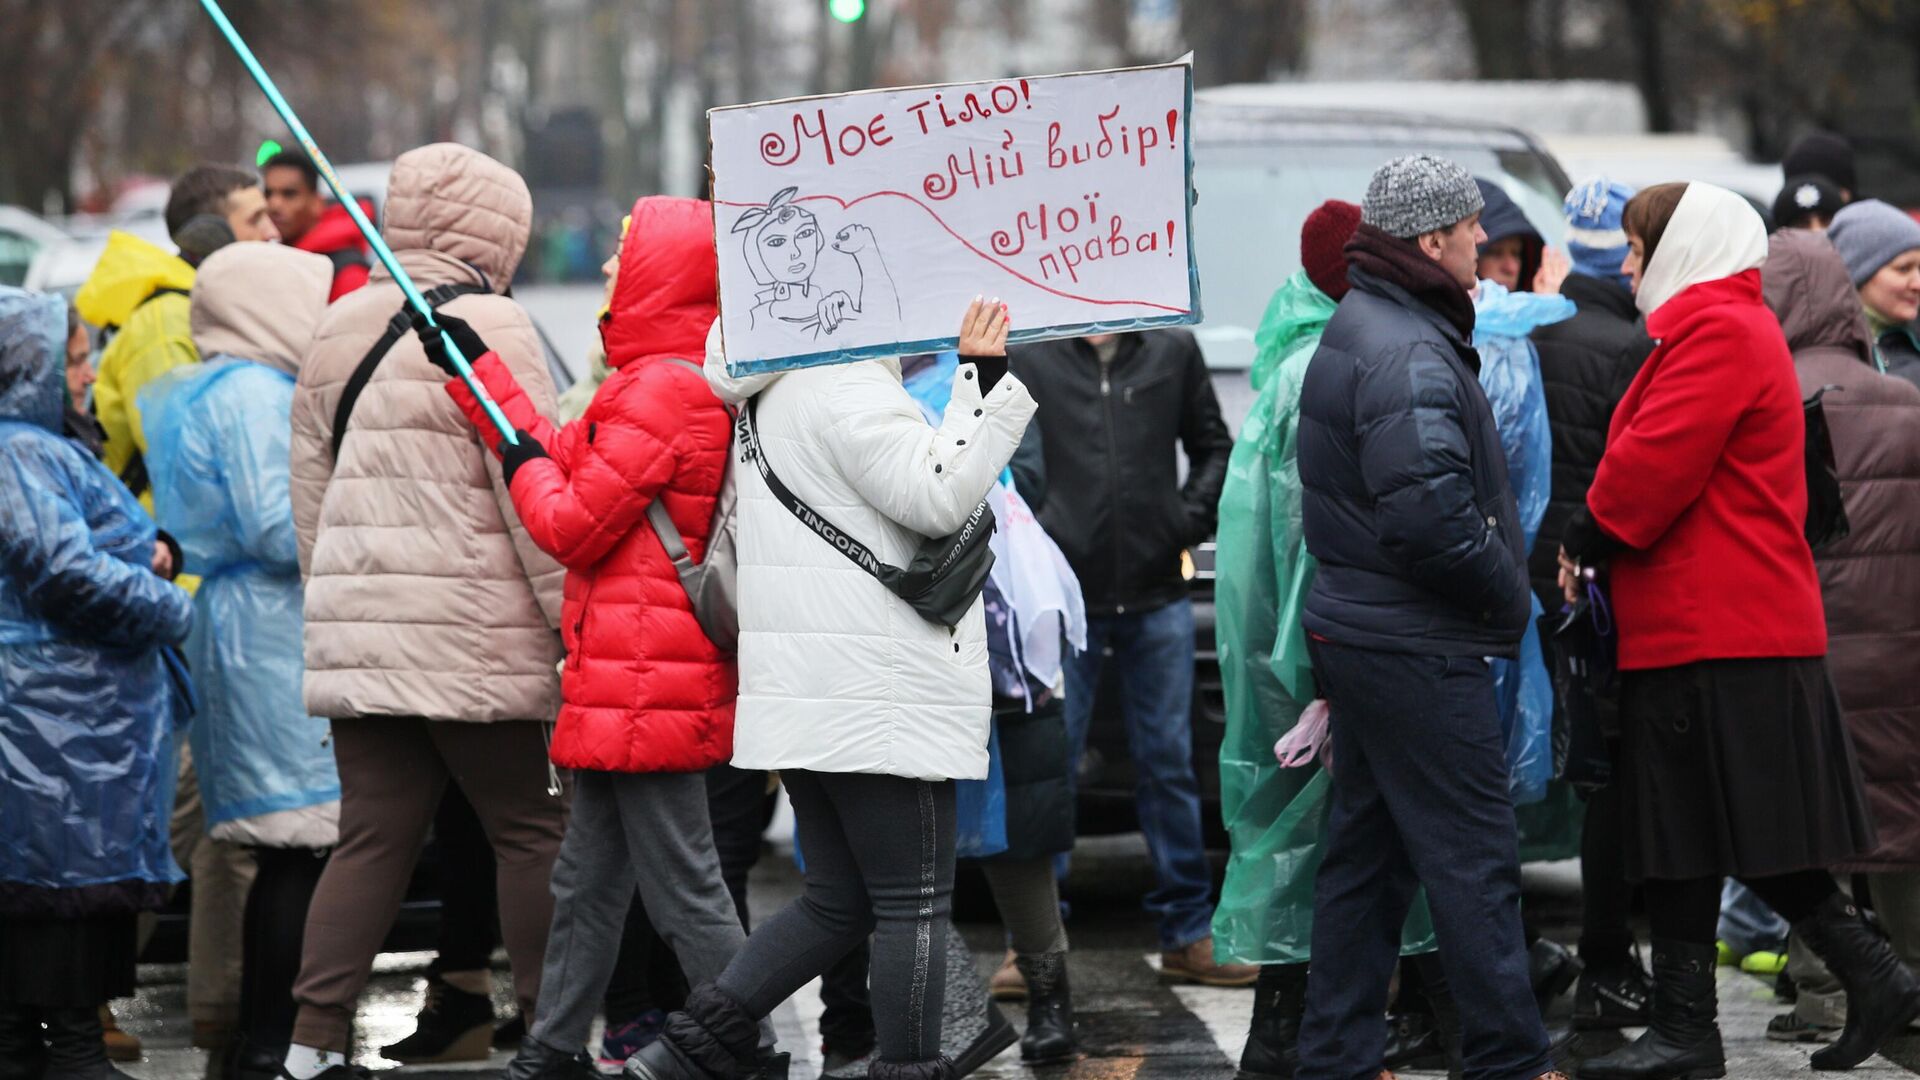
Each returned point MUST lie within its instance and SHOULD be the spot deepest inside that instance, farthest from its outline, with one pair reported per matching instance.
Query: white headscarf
(1713, 234)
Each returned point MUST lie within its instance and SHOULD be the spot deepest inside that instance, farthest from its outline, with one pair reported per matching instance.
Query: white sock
(305, 1063)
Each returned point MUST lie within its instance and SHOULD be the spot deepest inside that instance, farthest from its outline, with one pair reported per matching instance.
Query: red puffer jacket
(643, 689)
(1704, 478)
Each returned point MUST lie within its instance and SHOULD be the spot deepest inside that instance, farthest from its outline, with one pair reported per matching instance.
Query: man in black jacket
(1112, 409)
(1422, 577)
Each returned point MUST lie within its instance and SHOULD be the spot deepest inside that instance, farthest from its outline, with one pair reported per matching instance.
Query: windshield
(1252, 200)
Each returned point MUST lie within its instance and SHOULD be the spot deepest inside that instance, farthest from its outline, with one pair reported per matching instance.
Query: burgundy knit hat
(1323, 240)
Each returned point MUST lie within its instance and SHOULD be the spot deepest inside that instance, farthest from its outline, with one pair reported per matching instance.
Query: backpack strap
(341, 258)
(397, 326)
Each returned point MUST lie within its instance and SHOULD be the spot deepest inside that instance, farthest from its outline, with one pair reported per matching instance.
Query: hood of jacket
(1501, 217)
(129, 271)
(260, 302)
(665, 294)
(1713, 234)
(1298, 311)
(33, 335)
(1805, 282)
(459, 202)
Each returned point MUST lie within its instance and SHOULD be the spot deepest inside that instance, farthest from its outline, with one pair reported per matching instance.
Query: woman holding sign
(868, 708)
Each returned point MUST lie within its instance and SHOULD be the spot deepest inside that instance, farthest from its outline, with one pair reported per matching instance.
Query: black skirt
(67, 963)
(1737, 768)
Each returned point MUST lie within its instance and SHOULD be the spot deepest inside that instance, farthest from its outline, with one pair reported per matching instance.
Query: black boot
(247, 1060)
(1424, 1033)
(1882, 995)
(453, 1025)
(1683, 1042)
(1613, 993)
(937, 1069)
(23, 1050)
(1049, 1039)
(536, 1060)
(75, 1046)
(1273, 1038)
(1552, 967)
(713, 1038)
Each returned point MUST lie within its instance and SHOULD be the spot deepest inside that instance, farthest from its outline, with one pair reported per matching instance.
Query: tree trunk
(1502, 36)
(1238, 41)
(1650, 64)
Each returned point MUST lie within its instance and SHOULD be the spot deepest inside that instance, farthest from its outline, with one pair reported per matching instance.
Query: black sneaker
(1789, 1028)
(1613, 997)
(454, 1025)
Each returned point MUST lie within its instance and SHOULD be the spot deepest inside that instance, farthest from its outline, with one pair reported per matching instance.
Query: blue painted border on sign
(1191, 316)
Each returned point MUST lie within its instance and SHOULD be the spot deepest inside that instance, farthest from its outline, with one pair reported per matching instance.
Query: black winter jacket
(1115, 503)
(1586, 364)
(1407, 504)
(1899, 350)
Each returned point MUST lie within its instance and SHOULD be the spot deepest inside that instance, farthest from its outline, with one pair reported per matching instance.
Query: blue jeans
(1419, 797)
(1154, 651)
(1747, 924)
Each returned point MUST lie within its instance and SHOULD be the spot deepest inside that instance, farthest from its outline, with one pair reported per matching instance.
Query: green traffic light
(847, 10)
(267, 150)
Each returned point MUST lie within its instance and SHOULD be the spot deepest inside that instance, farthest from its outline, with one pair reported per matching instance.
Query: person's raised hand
(463, 336)
(983, 330)
(1554, 268)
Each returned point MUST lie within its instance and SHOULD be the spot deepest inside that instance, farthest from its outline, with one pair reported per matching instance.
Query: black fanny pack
(945, 576)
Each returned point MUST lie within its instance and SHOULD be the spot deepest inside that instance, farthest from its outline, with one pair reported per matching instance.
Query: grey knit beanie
(1870, 234)
(1419, 193)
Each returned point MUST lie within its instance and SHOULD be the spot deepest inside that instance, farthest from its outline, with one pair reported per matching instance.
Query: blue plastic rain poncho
(217, 455)
(1510, 375)
(87, 702)
(1276, 818)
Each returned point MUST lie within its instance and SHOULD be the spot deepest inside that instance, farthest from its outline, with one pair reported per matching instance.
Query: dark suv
(1258, 171)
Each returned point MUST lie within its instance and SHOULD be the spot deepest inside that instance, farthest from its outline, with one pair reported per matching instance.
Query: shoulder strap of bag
(396, 326)
(856, 552)
(657, 516)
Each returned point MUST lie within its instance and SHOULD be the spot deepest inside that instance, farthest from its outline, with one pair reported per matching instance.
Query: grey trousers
(628, 830)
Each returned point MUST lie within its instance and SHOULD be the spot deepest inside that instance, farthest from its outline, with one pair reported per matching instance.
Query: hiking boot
(1792, 1028)
(1882, 994)
(1683, 1039)
(1049, 1039)
(627, 1038)
(1007, 984)
(75, 1050)
(1552, 968)
(1613, 996)
(1195, 964)
(1273, 1038)
(121, 1045)
(454, 1025)
(538, 1061)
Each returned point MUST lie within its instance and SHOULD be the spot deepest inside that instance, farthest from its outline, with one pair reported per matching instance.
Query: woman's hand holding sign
(983, 339)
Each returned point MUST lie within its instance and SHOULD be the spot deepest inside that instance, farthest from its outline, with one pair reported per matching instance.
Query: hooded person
(1409, 515)
(219, 470)
(139, 294)
(866, 707)
(430, 615)
(1698, 511)
(1881, 246)
(1514, 251)
(647, 697)
(1869, 581)
(87, 721)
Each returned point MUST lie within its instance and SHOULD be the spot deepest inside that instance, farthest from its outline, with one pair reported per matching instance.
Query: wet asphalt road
(1132, 1027)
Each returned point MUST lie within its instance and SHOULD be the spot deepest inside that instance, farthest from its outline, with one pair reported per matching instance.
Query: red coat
(1704, 479)
(338, 238)
(643, 689)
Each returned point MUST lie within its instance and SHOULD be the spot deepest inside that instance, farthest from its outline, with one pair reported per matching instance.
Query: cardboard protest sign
(862, 224)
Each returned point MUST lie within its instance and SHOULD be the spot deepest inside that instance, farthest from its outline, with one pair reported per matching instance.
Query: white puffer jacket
(837, 674)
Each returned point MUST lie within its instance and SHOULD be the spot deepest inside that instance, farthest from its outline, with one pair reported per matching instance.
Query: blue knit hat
(1595, 240)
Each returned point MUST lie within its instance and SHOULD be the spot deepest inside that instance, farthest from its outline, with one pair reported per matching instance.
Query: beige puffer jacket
(424, 596)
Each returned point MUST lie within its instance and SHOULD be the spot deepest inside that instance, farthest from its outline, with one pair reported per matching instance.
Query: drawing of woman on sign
(783, 243)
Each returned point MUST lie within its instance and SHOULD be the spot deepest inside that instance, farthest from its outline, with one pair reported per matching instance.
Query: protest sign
(859, 225)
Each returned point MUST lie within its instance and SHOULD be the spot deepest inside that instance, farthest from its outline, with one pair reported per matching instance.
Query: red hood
(335, 231)
(665, 296)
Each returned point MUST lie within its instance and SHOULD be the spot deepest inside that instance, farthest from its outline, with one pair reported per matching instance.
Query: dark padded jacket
(1586, 364)
(1899, 350)
(1115, 503)
(1407, 504)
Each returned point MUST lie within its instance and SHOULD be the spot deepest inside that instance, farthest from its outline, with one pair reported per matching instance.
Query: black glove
(513, 455)
(469, 342)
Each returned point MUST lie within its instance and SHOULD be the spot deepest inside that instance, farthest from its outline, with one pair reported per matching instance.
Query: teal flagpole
(346, 199)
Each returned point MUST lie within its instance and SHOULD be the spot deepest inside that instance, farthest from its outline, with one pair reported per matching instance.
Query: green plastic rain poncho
(1276, 818)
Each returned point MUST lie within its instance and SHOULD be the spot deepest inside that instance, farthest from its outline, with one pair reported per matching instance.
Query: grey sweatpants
(628, 830)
